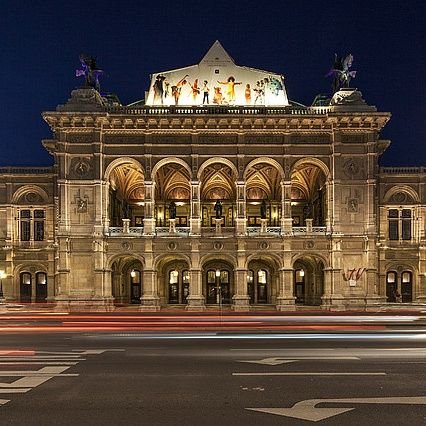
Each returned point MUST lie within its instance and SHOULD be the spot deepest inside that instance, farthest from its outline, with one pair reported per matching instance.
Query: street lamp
(218, 289)
(2, 275)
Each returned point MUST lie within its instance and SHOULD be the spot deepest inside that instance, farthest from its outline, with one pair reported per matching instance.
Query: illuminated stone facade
(248, 206)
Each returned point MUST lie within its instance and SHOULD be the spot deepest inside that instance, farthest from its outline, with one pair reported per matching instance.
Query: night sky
(41, 42)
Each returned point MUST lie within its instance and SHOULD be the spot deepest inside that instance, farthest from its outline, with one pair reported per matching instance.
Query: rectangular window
(25, 231)
(31, 221)
(406, 224)
(393, 220)
(38, 230)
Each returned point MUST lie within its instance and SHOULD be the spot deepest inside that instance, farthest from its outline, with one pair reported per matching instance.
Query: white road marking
(29, 362)
(307, 410)
(285, 360)
(39, 358)
(312, 373)
(57, 363)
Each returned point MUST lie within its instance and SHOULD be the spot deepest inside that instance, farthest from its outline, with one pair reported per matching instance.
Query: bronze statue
(263, 210)
(218, 209)
(340, 72)
(172, 210)
(90, 71)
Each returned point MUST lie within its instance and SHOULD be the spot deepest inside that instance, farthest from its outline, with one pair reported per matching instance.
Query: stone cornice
(331, 121)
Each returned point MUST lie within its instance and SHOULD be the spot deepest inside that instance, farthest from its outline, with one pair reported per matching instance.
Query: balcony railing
(217, 109)
(161, 231)
(303, 230)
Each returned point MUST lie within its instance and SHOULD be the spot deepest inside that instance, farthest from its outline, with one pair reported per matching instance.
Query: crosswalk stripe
(15, 390)
(30, 362)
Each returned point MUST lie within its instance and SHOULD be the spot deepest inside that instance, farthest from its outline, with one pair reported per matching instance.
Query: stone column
(285, 299)
(241, 219)
(286, 219)
(150, 300)
(241, 299)
(149, 220)
(196, 300)
(195, 219)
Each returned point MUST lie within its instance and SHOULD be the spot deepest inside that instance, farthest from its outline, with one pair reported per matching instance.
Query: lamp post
(2, 275)
(218, 289)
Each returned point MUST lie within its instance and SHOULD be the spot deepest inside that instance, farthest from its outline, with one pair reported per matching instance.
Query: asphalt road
(140, 378)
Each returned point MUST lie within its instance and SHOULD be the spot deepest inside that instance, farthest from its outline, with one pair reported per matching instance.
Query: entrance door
(391, 287)
(41, 287)
(299, 286)
(135, 286)
(406, 287)
(25, 287)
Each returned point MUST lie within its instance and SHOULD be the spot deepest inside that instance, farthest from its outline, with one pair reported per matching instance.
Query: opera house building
(215, 190)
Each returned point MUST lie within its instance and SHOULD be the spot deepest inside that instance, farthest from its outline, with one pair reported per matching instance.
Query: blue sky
(41, 42)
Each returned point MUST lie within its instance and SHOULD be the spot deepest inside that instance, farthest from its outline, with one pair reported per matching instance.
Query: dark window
(38, 230)
(393, 224)
(25, 230)
(406, 224)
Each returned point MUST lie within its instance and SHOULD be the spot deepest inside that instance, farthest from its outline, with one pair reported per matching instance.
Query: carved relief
(218, 245)
(401, 198)
(352, 168)
(81, 168)
(352, 205)
(310, 244)
(33, 198)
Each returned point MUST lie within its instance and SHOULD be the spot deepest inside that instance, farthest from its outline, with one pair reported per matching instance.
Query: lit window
(31, 220)
(261, 276)
(173, 279)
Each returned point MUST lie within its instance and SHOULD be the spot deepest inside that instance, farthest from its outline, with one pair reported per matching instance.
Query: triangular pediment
(216, 55)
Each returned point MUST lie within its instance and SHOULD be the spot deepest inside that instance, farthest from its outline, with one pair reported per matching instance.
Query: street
(210, 377)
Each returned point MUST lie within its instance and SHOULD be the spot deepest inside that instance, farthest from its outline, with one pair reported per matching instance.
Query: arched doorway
(260, 276)
(263, 194)
(126, 195)
(218, 195)
(172, 187)
(126, 278)
(218, 282)
(308, 194)
(308, 278)
(399, 286)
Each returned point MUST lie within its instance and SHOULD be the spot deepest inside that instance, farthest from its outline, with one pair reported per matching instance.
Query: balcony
(183, 232)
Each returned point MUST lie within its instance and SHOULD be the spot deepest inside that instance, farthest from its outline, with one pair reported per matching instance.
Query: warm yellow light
(302, 273)
(217, 273)
(133, 273)
(2, 274)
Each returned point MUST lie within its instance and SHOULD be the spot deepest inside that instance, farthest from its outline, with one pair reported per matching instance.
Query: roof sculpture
(217, 80)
